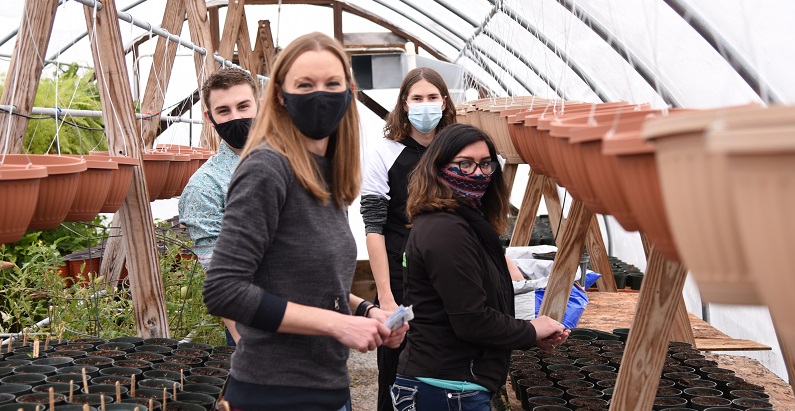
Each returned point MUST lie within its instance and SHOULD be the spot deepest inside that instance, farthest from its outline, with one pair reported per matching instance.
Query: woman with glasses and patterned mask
(423, 108)
(457, 279)
(284, 261)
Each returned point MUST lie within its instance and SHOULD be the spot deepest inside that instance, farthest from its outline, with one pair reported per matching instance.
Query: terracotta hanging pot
(761, 167)
(193, 165)
(515, 123)
(156, 165)
(177, 171)
(57, 191)
(19, 192)
(640, 181)
(697, 194)
(120, 184)
(93, 187)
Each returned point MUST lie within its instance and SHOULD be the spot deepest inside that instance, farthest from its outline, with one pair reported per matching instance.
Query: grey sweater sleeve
(256, 194)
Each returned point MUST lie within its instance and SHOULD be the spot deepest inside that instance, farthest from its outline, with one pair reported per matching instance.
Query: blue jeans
(409, 394)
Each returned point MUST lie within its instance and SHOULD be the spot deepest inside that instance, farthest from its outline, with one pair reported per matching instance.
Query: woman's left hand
(395, 337)
(553, 341)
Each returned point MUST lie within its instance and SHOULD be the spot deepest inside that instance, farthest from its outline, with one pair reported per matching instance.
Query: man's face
(233, 103)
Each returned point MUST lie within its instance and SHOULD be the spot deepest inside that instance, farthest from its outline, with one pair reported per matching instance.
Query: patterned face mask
(471, 187)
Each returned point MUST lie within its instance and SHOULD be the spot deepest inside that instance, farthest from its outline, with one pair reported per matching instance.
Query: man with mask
(230, 97)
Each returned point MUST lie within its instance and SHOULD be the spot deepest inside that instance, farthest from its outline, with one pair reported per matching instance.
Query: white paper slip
(401, 316)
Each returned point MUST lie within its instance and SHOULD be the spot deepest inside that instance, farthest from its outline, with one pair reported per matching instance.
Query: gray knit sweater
(279, 244)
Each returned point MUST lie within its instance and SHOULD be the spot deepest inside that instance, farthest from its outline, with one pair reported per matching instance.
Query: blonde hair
(274, 126)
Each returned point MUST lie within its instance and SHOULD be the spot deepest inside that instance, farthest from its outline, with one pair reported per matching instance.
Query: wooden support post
(598, 253)
(509, 173)
(523, 229)
(234, 12)
(201, 36)
(244, 54)
(214, 27)
(567, 259)
(264, 52)
(554, 209)
(160, 74)
(338, 21)
(146, 284)
(24, 71)
(644, 355)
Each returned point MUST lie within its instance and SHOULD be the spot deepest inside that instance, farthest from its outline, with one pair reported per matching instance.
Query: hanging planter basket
(177, 172)
(121, 178)
(19, 192)
(57, 191)
(156, 165)
(93, 188)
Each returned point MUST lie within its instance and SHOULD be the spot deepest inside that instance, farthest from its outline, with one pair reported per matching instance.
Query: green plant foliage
(67, 238)
(73, 90)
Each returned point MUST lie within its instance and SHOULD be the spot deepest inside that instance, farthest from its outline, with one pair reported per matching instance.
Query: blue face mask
(425, 116)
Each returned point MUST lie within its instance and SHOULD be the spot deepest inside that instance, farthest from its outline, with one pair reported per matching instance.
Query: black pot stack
(626, 275)
(197, 371)
(581, 375)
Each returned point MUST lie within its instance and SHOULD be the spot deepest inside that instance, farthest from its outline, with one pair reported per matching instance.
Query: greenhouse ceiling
(689, 53)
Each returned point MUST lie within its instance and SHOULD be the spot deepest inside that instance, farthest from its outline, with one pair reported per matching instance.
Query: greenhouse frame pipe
(724, 49)
(505, 69)
(62, 112)
(127, 17)
(530, 28)
(448, 41)
(485, 67)
(14, 32)
(622, 51)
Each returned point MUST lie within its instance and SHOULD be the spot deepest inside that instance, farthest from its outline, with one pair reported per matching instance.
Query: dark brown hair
(428, 194)
(274, 126)
(397, 125)
(225, 78)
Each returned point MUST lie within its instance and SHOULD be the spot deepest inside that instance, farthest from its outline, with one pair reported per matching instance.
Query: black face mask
(318, 114)
(234, 132)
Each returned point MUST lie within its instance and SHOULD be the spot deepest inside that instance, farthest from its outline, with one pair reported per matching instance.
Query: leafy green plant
(76, 89)
(67, 238)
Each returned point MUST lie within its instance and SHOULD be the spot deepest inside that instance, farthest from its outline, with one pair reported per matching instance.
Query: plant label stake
(174, 388)
(47, 342)
(165, 393)
(102, 401)
(10, 343)
(25, 337)
(151, 404)
(132, 389)
(52, 398)
(181, 379)
(71, 390)
(85, 407)
(118, 392)
(85, 380)
(36, 348)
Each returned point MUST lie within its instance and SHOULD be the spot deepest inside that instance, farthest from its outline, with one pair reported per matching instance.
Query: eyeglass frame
(494, 165)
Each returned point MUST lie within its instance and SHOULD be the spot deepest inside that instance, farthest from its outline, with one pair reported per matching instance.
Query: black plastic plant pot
(158, 384)
(756, 395)
(16, 389)
(607, 393)
(742, 385)
(622, 333)
(6, 398)
(107, 389)
(588, 403)
(144, 402)
(702, 403)
(91, 399)
(164, 375)
(121, 371)
(661, 403)
(112, 380)
(65, 378)
(159, 349)
(99, 362)
(668, 392)
(147, 393)
(23, 407)
(678, 368)
(128, 363)
(223, 349)
(129, 340)
(35, 369)
(597, 376)
(569, 384)
(184, 406)
(228, 357)
(597, 368)
(68, 354)
(226, 365)
(750, 403)
(195, 398)
(716, 370)
(166, 342)
(551, 368)
(29, 379)
(57, 387)
(117, 346)
(582, 393)
(566, 375)
(78, 369)
(196, 346)
(112, 354)
(202, 388)
(191, 361)
(582, 334)
(591, 361)
(152, 357)
(19, 357)
(171, 366)
(57, 362)
(76, 407)
(191, 352)
(689, 393)
(635, 280)
(89, 340)
(40, 398)
(535, 402)
(75, 347)
(15, 363)
(699, 383)
(621, 279)
(125, 407)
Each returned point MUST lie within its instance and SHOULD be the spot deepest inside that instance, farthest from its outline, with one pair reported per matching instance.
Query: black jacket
(463, 327)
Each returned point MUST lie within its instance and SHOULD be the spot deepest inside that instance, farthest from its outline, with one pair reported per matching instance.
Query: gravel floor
(363, 369)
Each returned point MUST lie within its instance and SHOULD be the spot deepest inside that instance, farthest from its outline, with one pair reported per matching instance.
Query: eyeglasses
(468, 167)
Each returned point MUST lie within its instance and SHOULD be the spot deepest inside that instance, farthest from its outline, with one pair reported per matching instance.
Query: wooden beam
(509, 173)
(338, 22)
(567, 259)
(214, 28)
(264, 52)
(526, 219)
(371, 104)
(146, 284)
(234, 14)
(644, 355)
(244, 53)
(200, 36)
(598, 254)
(554, 209)
(24, 71)
(160, 74)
